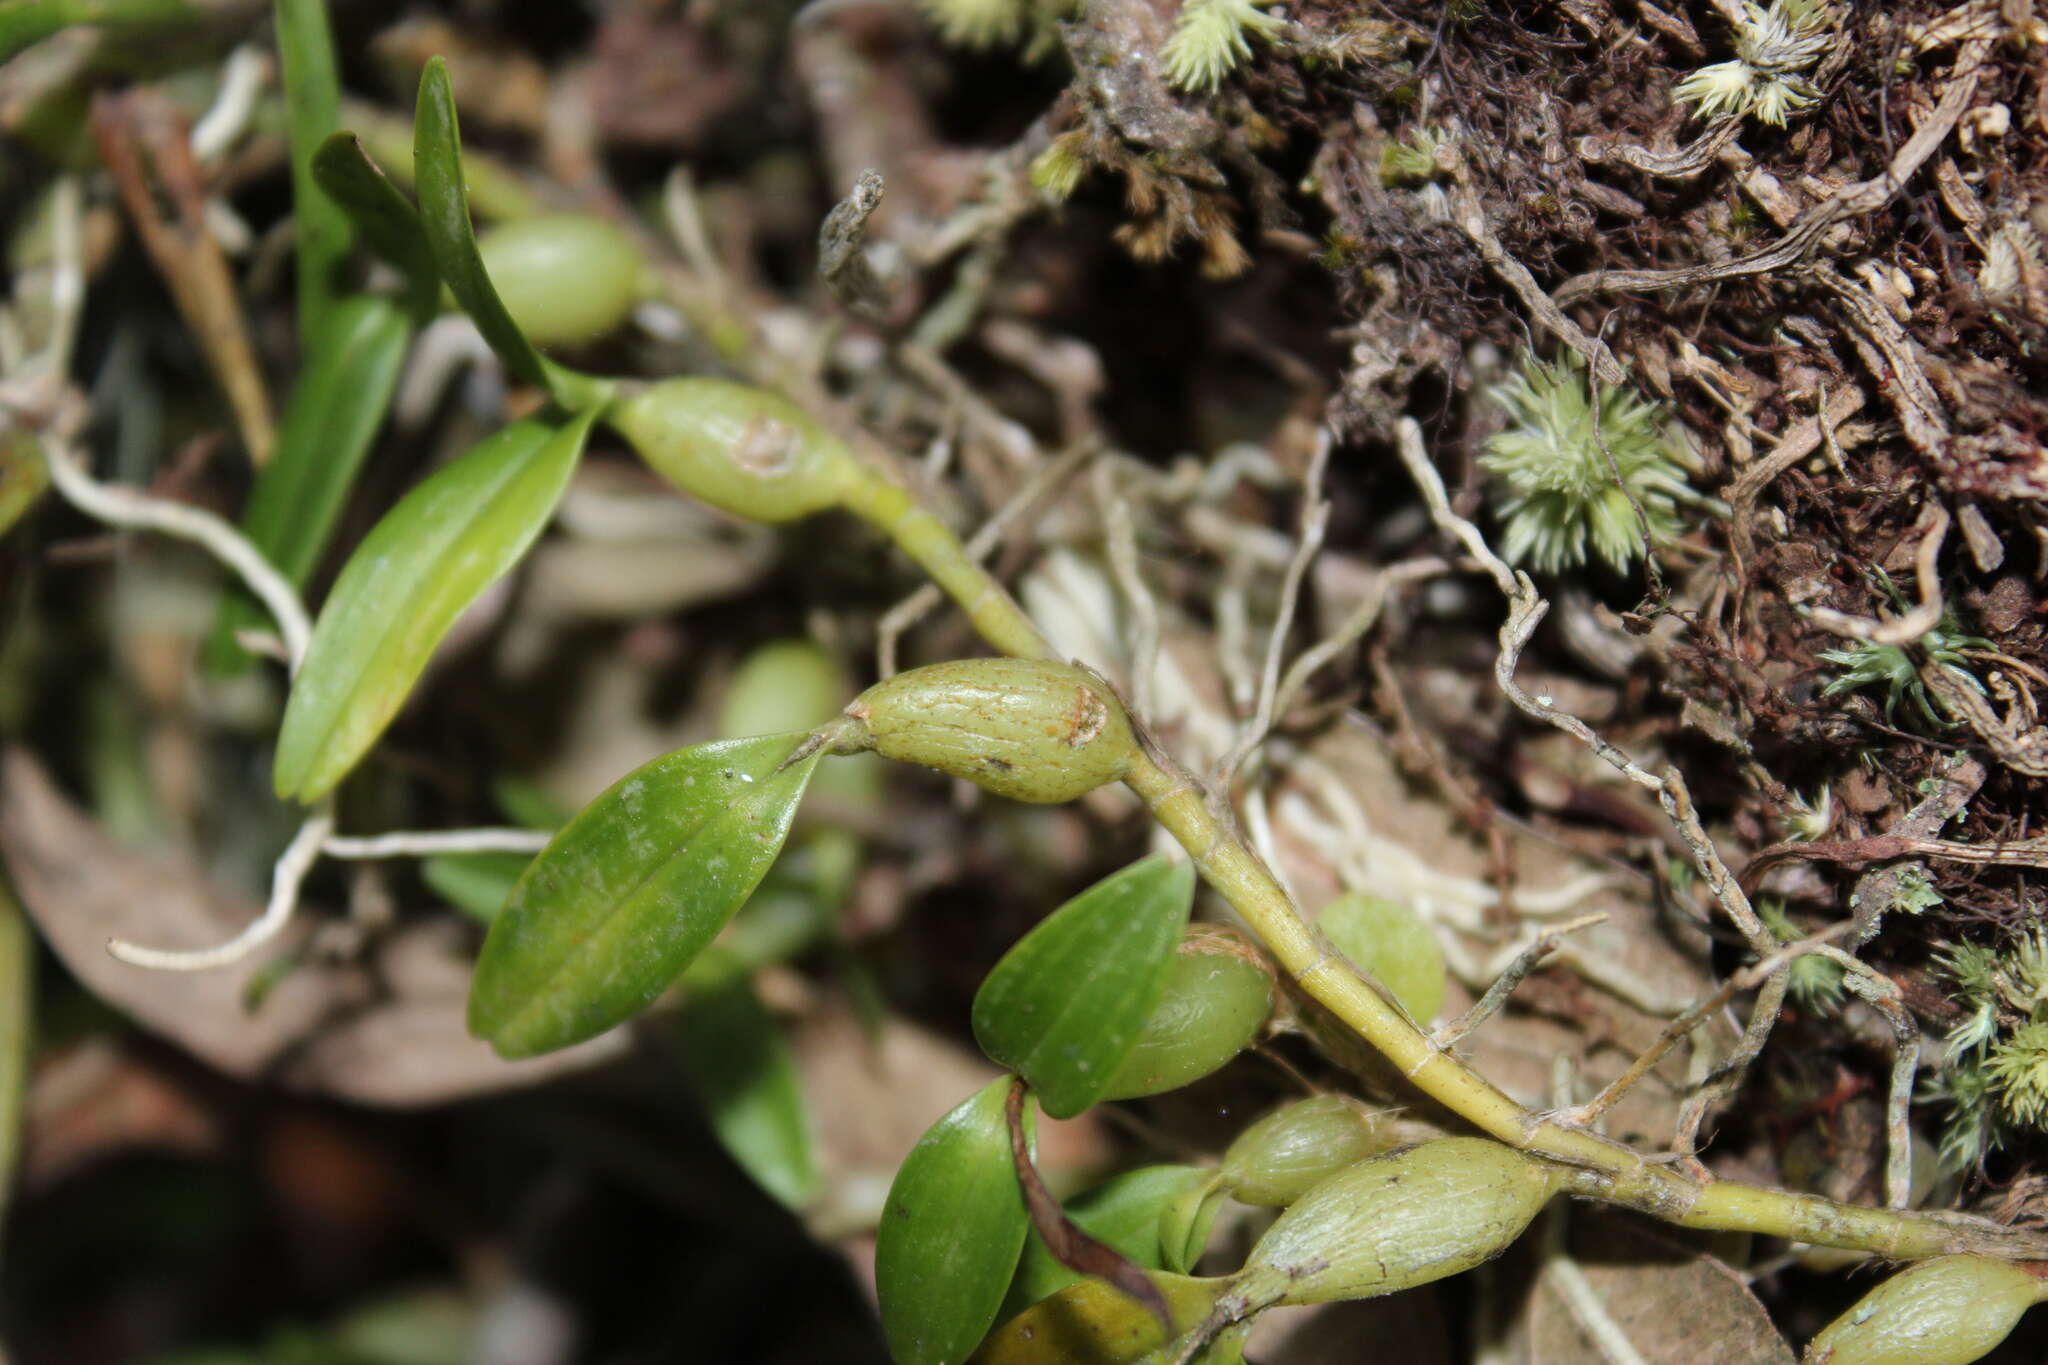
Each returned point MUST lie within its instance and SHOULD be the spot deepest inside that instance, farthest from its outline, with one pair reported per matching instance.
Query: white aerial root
(292, 866)
(132, 509)
(408, 843)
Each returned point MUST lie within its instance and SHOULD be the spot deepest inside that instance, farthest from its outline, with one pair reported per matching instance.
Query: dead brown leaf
(391, 1032)
(1675, 1304)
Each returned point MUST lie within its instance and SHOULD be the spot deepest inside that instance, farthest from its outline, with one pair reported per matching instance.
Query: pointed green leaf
(321, 233)
(451, 239)
(951, 1232)
(1129, 1213)
(413, 575)
(746, 1077)
(1066, 1005)
(329, 423)
(631, 890)
(383, 214)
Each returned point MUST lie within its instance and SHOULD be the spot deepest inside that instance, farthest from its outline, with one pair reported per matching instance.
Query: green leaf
(351, 369)
(631, 890)
(24, 476)
(433, 1325)
(1127, 1213)
(1215, 999)
(414, 574)
(747, 1078)
(451, 239)
(383, 214)
(1394, 943)
(1091, 1323)
(17, 998)
(1185, 1224)
(1065, 1006)
(950, 1234)
(26, 22)
(477, 884)
(321, 233)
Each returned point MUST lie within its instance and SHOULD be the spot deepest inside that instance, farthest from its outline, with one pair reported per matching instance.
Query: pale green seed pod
(1217, 997)
(1394, 1222)
(1947, 1311)
(1394, 943)
(1298, 1146)
(1028, 729)
(745, 450)
(565, 278)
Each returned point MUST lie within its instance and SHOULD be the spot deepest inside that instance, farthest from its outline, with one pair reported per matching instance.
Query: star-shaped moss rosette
(1576, 462)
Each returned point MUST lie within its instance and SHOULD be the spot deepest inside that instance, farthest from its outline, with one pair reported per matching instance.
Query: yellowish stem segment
(1598, 1167)
(929, 542)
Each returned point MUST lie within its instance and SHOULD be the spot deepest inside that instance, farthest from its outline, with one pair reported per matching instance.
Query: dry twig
(126, 127)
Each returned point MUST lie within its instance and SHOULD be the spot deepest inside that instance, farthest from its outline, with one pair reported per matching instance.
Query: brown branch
(141, 125)
(1915, 623)
(1070, 1246)
(1851, 201)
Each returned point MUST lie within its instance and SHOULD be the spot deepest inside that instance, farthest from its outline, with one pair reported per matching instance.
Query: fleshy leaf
(451, 239)
(746, 1077)
(1215, 999)
(951, 1232)
(414, 574)
(1091, 1323)
(631, 890)
(1065, 1006)
(329, 423)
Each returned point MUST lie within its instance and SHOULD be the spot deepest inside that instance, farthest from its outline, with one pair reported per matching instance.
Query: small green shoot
(1775, 48)
(1866, 663)
(1213, 36)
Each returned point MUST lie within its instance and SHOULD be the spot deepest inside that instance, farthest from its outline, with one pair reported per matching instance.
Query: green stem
(1599, 1167)
(322, 233)
(24, 22)
(931, 544)
(17, 979)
